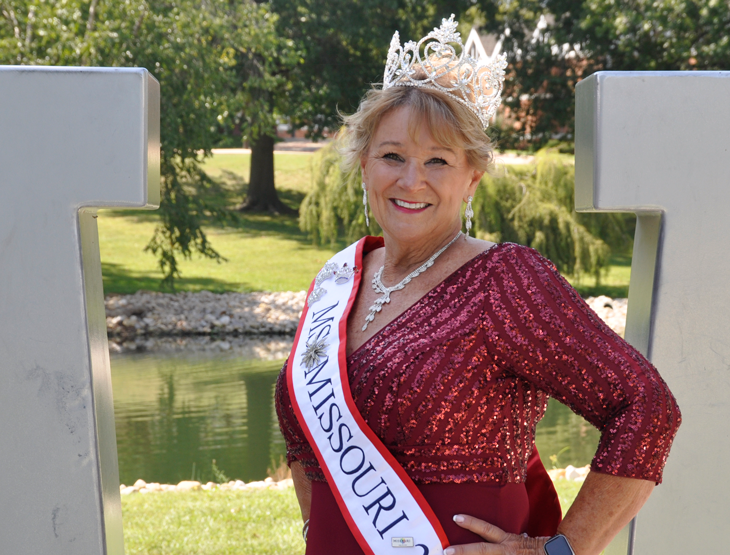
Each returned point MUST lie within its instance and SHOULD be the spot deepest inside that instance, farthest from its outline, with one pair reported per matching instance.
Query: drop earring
(469, 214)
(365, 204)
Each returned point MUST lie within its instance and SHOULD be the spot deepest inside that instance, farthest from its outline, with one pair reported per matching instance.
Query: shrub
(532, 205)
(333, 207)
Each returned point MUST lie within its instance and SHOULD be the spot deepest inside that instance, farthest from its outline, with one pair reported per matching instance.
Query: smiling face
(415, 185)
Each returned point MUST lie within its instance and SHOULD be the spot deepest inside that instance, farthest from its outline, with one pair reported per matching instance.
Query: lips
(410, 205)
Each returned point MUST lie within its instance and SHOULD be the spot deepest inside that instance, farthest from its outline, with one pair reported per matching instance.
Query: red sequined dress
(455, 386)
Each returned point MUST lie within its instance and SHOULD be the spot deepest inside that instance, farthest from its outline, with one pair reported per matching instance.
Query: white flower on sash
(316, 350)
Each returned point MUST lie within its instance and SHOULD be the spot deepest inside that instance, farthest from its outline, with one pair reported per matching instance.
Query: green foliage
(529, 205)
(181, 43)
(219, 476)
(333, 208)
(584, 36)
(556, 457)
(343, 46)
(183, 210)
(533, 206)
(261, 62)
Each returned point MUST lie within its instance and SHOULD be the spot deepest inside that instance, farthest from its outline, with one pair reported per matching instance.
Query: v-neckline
(428, 293)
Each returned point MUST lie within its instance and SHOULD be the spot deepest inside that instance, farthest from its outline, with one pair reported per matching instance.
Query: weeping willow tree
(531, 205)
(333, 208)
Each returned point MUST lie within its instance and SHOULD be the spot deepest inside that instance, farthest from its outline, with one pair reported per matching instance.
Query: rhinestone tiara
(475, 83)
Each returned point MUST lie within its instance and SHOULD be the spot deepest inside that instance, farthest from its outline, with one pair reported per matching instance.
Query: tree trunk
(262, 196)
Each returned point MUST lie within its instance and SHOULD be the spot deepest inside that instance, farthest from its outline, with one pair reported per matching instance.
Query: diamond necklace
(386, 291)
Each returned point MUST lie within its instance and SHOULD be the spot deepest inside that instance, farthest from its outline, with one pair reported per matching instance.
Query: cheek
(380, 176)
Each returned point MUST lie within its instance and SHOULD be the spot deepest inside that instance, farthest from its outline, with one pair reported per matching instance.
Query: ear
(476, 177)
(363, 172)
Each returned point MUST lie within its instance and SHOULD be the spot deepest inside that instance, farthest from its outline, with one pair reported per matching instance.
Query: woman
(449, 358)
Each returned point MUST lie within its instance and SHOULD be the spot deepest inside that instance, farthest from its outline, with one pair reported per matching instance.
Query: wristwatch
(558, 545)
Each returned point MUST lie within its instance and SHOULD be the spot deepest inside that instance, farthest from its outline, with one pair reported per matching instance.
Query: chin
(410, 233)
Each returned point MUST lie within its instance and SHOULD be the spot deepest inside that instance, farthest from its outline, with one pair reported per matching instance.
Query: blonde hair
(451, 124)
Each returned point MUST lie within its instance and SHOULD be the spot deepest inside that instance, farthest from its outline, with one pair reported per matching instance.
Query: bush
(333, 207)
(532, 205)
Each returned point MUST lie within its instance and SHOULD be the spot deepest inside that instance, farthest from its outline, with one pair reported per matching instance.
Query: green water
(178, 412)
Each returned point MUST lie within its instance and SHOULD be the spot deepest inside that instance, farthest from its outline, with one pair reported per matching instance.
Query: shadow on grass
(119, 280)
(140, 216)
(291, 197)
(228, 192)
(623, 259)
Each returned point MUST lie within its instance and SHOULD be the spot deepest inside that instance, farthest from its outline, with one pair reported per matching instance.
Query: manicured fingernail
(449, 551)
(458, 518)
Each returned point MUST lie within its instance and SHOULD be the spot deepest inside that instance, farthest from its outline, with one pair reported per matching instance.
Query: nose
(414, 175)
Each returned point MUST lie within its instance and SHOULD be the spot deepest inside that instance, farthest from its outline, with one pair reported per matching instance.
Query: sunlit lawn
(264, 522)
(259, 522)
(615, 283)
(293, 170)
(264, 252)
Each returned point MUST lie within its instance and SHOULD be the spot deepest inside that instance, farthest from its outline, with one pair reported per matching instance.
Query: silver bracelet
(305, 529)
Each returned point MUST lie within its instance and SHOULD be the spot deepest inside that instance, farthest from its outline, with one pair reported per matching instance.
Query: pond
(204, 414)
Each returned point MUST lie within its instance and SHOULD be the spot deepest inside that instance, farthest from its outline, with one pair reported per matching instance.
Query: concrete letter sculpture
(71, 140)
(658, 144)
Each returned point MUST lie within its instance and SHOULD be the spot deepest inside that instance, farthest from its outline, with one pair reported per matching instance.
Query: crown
(475, 83)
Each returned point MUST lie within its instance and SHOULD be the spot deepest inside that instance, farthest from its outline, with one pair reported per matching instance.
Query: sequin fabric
(455, 386)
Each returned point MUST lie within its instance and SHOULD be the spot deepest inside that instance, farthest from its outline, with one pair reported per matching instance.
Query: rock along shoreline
(140, 486)
(569, 473)
(240, 321)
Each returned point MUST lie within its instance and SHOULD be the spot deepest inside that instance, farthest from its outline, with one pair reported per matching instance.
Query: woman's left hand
(498, 541)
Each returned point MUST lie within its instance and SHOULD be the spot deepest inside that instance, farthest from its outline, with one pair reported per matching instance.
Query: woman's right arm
(303, 488)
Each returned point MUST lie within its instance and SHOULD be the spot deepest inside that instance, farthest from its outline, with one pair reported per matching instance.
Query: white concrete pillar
(658, 144)
(71, 140)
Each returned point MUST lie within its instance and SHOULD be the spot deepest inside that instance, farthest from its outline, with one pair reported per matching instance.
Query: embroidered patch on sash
(402, 542)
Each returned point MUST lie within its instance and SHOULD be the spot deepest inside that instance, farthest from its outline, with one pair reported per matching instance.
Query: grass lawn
(614, 284)
(265, 253)
(263, 522)
(567, 490)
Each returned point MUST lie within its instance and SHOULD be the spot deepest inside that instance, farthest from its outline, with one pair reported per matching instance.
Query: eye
(438, 162)
(392, 156)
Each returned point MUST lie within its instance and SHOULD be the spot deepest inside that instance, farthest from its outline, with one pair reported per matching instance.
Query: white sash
(381, 504)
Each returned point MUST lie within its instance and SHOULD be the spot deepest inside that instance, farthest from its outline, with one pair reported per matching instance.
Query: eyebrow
(396, 143)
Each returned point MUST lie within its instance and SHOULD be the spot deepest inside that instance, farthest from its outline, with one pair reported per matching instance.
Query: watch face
(558, 545)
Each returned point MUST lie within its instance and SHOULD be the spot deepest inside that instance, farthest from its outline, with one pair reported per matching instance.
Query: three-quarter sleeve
(543, 332)
(297, 446)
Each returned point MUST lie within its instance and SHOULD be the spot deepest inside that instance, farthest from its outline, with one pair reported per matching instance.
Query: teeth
(410, 205)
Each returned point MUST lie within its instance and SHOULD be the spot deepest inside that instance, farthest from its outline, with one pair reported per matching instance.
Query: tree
(535, 206)
(552, 44)
(315, 57)
(334, 205)
(176, 41)
(344, 46)
(258, 92)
